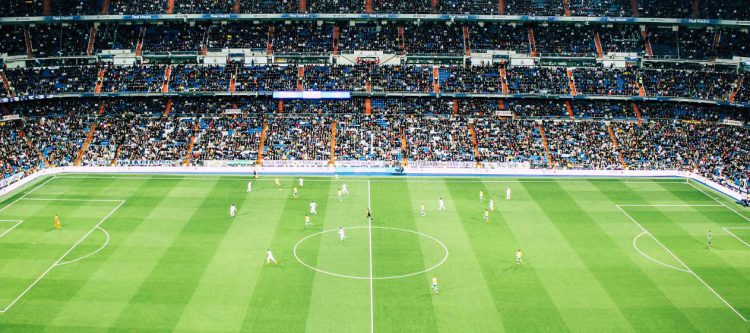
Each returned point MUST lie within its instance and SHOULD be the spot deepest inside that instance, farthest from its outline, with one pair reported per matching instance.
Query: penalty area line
(59, 261)
(689, 270)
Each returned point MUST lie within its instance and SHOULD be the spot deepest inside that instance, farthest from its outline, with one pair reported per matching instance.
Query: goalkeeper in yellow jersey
(58, 225)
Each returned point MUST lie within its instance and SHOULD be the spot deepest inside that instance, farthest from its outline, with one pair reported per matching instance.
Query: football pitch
(156, 253)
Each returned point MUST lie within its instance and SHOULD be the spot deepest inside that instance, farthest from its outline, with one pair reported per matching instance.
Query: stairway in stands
(617, 147)
(262, 143)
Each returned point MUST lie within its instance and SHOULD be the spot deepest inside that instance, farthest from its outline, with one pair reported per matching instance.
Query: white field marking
(415, 179)
(106, 242)
(57, 263)
(17, 223)
(711, 289)
(720, 202)
(75, 200)
(25, 195)
(369, 234)
(735, 235)
(635, 246)
(356, 277)
(686, 205)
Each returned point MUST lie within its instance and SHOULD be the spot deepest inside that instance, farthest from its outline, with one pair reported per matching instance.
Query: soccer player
(270, 258)
(441, 203)
(278, 183)
(308, 223)
(314, 208)
(492, 205)
(435, 284)
(232, 210)
(487, 216)
(519, 257)
(344, 189)
(709, 239)
(342, 235)
(301, 182)
(421, 210)
(507, 193)
(339, 195)
(58, 225)
(481, 195)
(249, 187)
(296, 193)
(369, 216)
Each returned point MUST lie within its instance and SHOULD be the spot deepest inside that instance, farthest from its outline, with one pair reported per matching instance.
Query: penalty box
(30, 246)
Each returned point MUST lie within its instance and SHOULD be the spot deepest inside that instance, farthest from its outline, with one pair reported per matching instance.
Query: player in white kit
(507, 193)
(249, 187)
(270, 258)
(492, 205)
(301, 182)
(421, 210)
(313, 208)
(232, 210)
(342, 235)
(344, 189)
(441, 203)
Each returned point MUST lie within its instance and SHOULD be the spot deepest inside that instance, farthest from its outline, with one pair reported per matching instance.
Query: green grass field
(160, 253)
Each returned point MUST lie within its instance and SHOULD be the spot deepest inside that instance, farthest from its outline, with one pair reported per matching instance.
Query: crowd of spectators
(298, 137)
(509, 140)
(716, 9)
(136, 130)
(227, 138)
(608, 82)
(16, 154)
(565, 39)
(438, 138)
(361, 137)
(708, 84)
(580, 145)
(134, 78)
(48, 80)
(538, 80)
(445, 38)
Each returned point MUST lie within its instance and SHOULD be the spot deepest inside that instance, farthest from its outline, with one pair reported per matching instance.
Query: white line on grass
(690, 271)
(68, 199)
(735, 235)
(415, 179)
(720, 202)
(369, 233)
(25, 195)
(57, 263)
(106, 242)
(18, 222)
(635, 246)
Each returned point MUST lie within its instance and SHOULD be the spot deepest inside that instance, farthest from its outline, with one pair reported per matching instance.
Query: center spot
(396, 253)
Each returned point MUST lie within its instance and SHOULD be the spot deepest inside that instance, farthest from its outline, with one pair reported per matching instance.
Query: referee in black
(369, 216)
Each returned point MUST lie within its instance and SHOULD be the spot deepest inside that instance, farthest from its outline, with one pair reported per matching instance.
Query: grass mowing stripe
(465, 302)
(705, 311)
(518, 295)
(334, 298)
(281, 300)
(401, 305)
(597, 253)
(219, 304)
(172, 249)
(53, 292)
(641, 299)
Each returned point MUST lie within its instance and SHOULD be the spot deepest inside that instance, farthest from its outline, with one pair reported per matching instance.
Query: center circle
(355, 234)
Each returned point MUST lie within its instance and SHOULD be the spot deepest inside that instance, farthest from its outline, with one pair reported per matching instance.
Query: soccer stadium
(375, 166)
